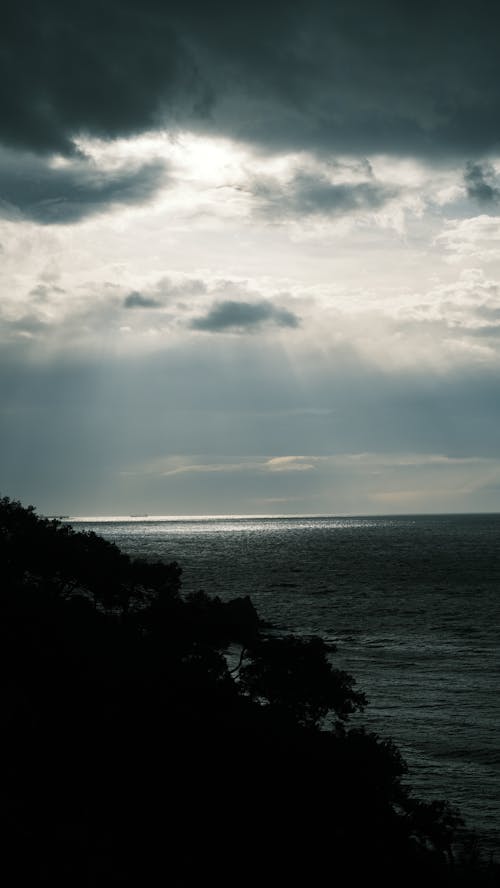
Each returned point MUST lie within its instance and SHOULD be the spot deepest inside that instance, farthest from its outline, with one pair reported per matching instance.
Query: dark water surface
(413, 604)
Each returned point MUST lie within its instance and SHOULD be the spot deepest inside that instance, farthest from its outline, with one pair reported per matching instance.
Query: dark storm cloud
(391, 76)
(31, 188)
(482, 183)
(243, 317)
(309, 193)
(137, 300)
(107, 69)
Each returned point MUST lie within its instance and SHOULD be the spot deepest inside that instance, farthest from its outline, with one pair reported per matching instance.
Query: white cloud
(291, 463)
(475, 239)
(366, 270)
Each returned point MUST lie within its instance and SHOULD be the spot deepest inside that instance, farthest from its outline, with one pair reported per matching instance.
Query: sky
(249, 257)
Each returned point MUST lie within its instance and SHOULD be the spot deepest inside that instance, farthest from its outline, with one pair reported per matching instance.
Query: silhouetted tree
(295, 674)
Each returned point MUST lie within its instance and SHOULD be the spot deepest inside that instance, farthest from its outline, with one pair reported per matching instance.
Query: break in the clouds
(239, 317)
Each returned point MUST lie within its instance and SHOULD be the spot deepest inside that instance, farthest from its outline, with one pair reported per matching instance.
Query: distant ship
(138, 515)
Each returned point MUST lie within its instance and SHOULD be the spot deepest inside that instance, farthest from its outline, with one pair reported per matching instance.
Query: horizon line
(136, 517)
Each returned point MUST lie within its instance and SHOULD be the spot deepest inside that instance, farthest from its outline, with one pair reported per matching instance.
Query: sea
(412, 604)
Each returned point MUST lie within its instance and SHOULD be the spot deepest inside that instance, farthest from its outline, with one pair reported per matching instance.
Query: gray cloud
(42, 292)
(28, 324)
(168, 289)
(165, 292)
(489, 331)
(31, 188)
(176, 303)
(482, 183)
(491, 312)
(409, 78)
(243, 317)
(309, 193)
(137, 300)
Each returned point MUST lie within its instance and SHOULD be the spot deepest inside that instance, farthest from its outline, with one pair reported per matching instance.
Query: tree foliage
(295, 674)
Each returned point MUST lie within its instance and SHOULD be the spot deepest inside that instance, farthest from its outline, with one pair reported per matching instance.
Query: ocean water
(412, 603)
